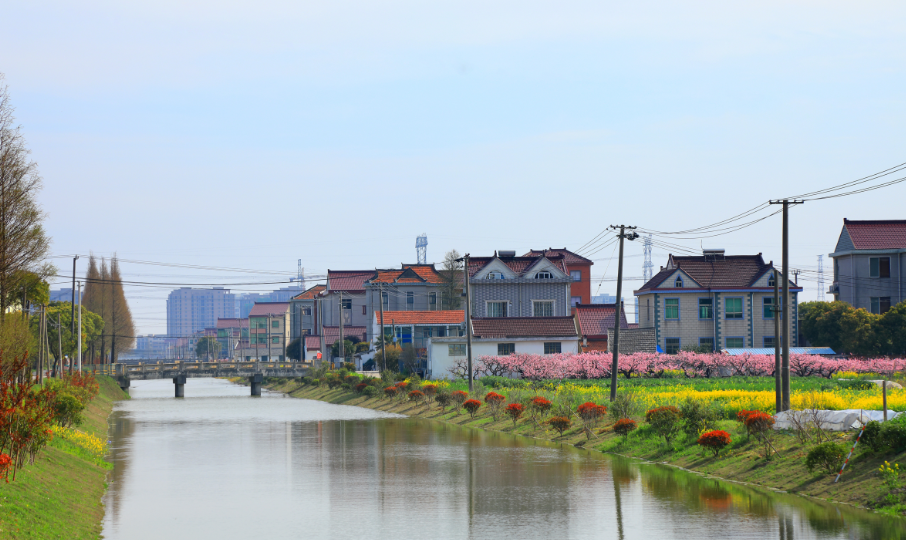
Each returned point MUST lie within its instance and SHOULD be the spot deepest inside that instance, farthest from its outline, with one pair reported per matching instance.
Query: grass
(741, 461)
(60, 495)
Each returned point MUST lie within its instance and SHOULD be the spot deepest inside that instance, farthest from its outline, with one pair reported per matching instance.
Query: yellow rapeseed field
(94, 445)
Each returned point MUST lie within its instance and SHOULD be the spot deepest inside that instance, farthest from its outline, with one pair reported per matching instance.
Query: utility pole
(60, 344)
(321, 331)
(342, 349)
(80, 330)
(785, 304)
(465, 279)
(778, 383)
(270, 357)
(619, 302)
(72, 315)
(41, 349)
(383, 336)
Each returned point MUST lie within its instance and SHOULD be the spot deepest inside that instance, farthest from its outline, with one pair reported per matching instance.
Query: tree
(23, 242)
(207, 346)
(351, 346)
(92, 327)
(294, 350)
(104, 295)
(892, 330)
(451, 273)
(393, 356)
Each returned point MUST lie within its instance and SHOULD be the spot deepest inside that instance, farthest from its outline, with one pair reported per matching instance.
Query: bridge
(124, 373)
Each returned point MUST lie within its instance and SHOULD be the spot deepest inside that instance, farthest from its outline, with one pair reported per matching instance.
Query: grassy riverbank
(60, 495)
(741, 461)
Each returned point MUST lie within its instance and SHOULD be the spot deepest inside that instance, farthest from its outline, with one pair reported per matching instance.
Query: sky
(249, 135)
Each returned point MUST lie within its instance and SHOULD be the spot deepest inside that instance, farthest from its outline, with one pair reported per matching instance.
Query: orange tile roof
(310, 293)
(451, 316)
(409, 273)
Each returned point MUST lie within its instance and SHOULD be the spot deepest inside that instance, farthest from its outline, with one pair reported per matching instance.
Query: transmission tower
(647, 266)
(421, 248)
(300, 275)
(820, 278)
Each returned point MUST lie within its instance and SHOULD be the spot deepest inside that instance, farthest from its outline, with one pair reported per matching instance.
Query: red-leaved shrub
(624, 426)
(417, 396)
(514, 410)
(560, 423)
(714, 440)
(359, 388)
(495, 403)
(459, 397)
(539, 407)
(390, 391)
(472, 406)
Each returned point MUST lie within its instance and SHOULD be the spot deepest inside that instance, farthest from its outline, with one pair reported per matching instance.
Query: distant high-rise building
(605, 299)
(190, 310)
(62, 295)
(245, 301)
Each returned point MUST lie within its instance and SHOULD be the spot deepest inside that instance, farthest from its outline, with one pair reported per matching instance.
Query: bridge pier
(256, 381)
(179, 382)
(124, 383)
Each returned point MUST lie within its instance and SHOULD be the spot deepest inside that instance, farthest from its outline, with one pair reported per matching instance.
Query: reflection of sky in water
(221, 464)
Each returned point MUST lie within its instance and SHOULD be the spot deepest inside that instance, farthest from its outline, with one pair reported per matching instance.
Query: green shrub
(885, 437)
(666, 421)
(370, 391)
(698, 417)
(316, 382)
(305, 380)
(828, 456)
(626, 405)
(871, 437)
(346, 386)
(855, 385)
(67, 410)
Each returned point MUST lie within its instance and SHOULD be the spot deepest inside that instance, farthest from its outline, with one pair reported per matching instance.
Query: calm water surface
(221, 464)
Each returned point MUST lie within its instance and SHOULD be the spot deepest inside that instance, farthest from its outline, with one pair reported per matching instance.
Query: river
(222, 464)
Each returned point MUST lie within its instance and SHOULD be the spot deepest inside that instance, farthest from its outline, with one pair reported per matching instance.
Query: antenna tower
(300, 275)
(421, 248)
(820, 278)
(647, 266)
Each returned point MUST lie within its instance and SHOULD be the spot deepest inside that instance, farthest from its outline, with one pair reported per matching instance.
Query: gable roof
(269, 308)
(597, 319)
(568, 256)
(311, 293)
(517, 327)
(722, 272)
(427, 318)
(352, 281)
(232, 323)
(313, 343)
(519, 265)
(409, 273)
(882, 234)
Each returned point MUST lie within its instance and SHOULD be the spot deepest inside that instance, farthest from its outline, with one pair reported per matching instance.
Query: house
(868, 264)
(412, 287)
(500, 336)
(416, 327)
(230, 333)
(595, 321)
(268, 332)
(303, 312)
(346, 287)
(579, 269)
(508, 286)
(332, 335)
(715, 301)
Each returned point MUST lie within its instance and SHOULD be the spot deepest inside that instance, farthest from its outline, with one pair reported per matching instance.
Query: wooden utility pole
(468, 313)
(383, 336)
(60, 344)
(785, 303)
(616, 325)
(72, 316)
(342, 349)
(778, 383)
(270, 357)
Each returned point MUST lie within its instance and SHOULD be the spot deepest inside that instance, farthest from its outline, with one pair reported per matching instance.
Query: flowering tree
(495, 403)
(472, 406)
(514, 410)
(714, 440)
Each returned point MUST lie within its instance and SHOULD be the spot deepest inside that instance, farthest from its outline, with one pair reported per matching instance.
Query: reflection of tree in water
(121, 430)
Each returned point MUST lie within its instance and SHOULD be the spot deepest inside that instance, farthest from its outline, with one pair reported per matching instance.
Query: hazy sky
(249, 135)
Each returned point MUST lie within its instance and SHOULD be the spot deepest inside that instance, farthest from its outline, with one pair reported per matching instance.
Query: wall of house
(520, 293)
(359, 315)
(309, 322)
(581, 288)
(856, 287)
(396, 300)
(268, 350)
(440, 362)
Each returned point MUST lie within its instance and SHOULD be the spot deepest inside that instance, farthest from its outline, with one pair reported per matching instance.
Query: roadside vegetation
(719, 426)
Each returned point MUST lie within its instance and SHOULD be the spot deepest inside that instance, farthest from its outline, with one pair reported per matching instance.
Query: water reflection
(220, 464)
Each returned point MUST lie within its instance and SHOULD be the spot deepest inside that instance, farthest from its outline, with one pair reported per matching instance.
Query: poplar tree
(105, 296)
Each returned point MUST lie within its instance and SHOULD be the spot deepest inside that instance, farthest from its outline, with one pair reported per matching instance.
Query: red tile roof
(596, 319)
(261, 309)
(313, 343)
(889, 234)
(726, 272)
(453, 316)
(409, 273)
(514, 327)
(310, 293)
(517, 264)
(332, 333)
(348, 280)
(232, 323)
(568, 256)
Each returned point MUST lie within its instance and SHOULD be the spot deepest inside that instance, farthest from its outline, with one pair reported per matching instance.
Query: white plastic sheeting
(832, 420)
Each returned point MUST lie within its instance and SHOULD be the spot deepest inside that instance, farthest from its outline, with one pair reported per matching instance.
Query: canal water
(222, 464)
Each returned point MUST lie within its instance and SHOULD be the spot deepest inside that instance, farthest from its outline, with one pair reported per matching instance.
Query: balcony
(834, 288)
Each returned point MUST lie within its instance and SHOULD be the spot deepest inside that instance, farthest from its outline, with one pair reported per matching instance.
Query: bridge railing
(114, 370)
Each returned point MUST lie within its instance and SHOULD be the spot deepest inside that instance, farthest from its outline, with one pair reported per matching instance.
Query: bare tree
(23, 242)
(451, 273)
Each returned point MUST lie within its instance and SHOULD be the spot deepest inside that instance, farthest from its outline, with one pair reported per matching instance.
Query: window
(576, 275)
(705, 308)
(432, 300)
(542, 308)
(575, 300)
(879, 267)
(552, 347)
(275, 339)
(275, 324)
(880, 304)
(678, 283)
(769, 341)
(306, 331)
(306, 311)
(672, 345)
(771, 280)
(364, 310)
(768, 307)
(385, 299)
(734, 308)
(497, 309)
(410, 300)
(671, 308)
(495, 275)
(458, 349)
(544, 275)
(347, 303)
(504, 349)
(706, 342)
(735, 343)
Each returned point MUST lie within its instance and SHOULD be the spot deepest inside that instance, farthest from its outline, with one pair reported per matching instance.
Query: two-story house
(868, 264)
(579, 269)
(303, 309)
(268, 332)
(413, 287)
(715, 301)
(508, 286)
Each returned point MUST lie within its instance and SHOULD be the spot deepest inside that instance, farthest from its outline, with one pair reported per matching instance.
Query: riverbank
(60, 495)
(739, 462)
